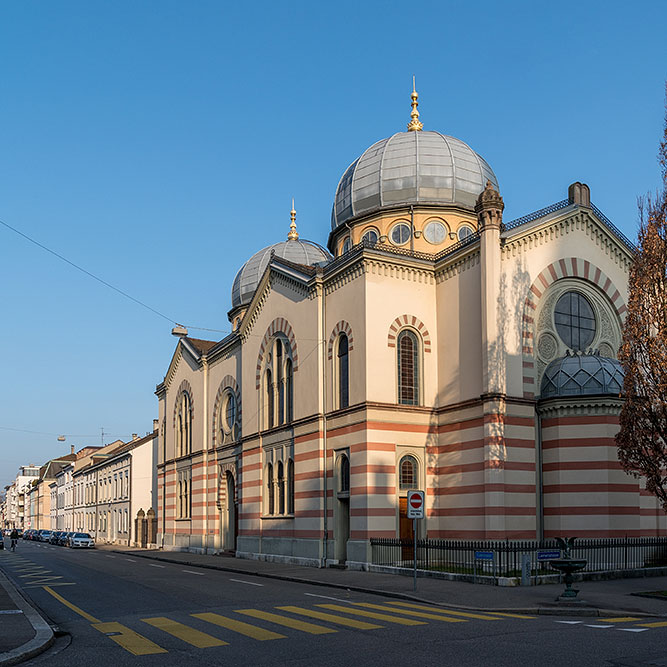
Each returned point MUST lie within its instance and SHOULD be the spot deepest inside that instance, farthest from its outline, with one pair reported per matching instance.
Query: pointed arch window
(281, 488)
(344, 483)
(280, 381)
(184, 426)
(270, 507)
(343, 372)
(408, 368)
(290, 486)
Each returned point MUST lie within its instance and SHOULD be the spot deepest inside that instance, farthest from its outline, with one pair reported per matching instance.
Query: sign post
(415, 511)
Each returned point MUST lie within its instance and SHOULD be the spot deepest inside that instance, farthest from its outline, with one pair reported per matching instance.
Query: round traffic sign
(416, 500)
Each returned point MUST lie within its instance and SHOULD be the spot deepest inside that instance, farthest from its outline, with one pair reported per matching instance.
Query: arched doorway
(231, 528)
(342, 508)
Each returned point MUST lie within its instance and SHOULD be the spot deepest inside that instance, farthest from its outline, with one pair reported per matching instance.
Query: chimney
(155, 425)
(580, 194)
(135, 436)
(71, 449)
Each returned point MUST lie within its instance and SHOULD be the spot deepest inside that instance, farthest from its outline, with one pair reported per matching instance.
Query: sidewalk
(603, 598)
(23, 632)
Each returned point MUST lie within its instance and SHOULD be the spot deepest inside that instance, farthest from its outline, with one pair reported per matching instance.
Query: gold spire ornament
(293, 235)
(414, 125)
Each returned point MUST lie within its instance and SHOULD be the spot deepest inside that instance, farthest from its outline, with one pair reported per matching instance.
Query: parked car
(81, 540)
(44, 535)
(63, 540)
(54, 536)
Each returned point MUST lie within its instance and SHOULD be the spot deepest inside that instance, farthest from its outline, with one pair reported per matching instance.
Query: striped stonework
(228, 382)
(341, 327)
(187, 388)
(279, 325)
(408, 321)
(568, 267)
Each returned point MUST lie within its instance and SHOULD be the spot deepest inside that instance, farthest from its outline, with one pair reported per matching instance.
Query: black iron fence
(504, 559)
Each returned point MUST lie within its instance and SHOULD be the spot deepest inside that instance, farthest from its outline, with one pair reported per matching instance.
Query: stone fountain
(567, 566)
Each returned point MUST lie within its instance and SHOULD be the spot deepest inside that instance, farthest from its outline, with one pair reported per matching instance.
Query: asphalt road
(118, 610)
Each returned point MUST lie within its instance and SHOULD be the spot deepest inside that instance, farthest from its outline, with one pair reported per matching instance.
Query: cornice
(524, 239)
(171, 371)
(448, 268)
(580, 405)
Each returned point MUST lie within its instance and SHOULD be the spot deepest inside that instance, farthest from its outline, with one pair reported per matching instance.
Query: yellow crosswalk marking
(659, 624)
(331, 618)
(500, 613)
(310, 628)
(239, 626)
(371, 614)
(409, 612)
(448, 611)
(186, 633)
(620, 619)
(129, 639)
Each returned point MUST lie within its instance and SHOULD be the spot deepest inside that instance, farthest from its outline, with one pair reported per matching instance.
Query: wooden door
(405, 531)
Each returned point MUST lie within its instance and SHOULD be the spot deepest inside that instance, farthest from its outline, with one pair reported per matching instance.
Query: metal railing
(504, 559)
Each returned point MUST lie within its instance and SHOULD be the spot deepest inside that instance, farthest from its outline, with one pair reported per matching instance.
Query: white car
(81, 540)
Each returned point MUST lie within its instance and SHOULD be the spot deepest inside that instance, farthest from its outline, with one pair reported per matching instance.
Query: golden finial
(293, 235)
(414, 125)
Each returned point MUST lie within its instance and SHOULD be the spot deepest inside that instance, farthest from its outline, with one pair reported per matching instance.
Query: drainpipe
(205, 426)
(325, 540)
(539, 480)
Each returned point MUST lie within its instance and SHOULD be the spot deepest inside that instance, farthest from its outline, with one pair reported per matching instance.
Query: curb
(541, 611)
(43, 634)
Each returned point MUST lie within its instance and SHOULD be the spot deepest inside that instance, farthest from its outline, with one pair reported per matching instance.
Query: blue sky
(158, 145)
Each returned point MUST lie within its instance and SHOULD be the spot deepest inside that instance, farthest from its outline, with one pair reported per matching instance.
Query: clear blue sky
(158, 144)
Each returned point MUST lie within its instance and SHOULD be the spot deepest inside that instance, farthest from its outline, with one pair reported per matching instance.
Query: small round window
(370, 236)
(435, 232)
(464, 232)
(400, 233)
(229, 411)
(575, 320)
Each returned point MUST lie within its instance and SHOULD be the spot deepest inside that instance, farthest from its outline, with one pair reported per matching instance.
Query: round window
(575, 320)
(464, 232)
(400, 233)
(229, 411)
(371, 236)
(435, 232)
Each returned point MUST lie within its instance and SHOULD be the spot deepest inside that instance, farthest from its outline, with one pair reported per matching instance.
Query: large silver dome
(582, 375)
(410, 168)
(295, 250)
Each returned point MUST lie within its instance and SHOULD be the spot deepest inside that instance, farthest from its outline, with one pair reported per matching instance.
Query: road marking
(250, 583)
(304, 626)
(331, 618)
(570, 622)
(108, 556)
(499, 613)
(184, 632)
(36, 574)
(239, 626)
(56, 583)
(131, 560)
(155, 565)
(128, 639)
(11, 611)
(446, 611)
(201, 574)
(409, 612)
(372, 614)
(621, 619)
(660, 624)
(73, 607)
(325, 597)
(633, 629)
(602, 627)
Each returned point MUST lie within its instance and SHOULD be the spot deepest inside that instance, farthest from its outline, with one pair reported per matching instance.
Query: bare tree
(642, 439)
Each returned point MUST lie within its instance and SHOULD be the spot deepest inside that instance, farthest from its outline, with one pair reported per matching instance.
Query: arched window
(289, 388)
(281, 488)
(407, 471)
(268, 398)
(184, 426)
(269, 489)
(343, 372)
(408, 368)
(279, 382)
(344, 485)
(290, 487)
(370, 236)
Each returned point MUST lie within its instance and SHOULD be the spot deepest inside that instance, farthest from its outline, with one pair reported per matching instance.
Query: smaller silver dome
(294, 250)
(582, 375)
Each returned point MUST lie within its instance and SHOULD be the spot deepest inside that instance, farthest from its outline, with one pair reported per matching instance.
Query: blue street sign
(483, 555)
(552, 554)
